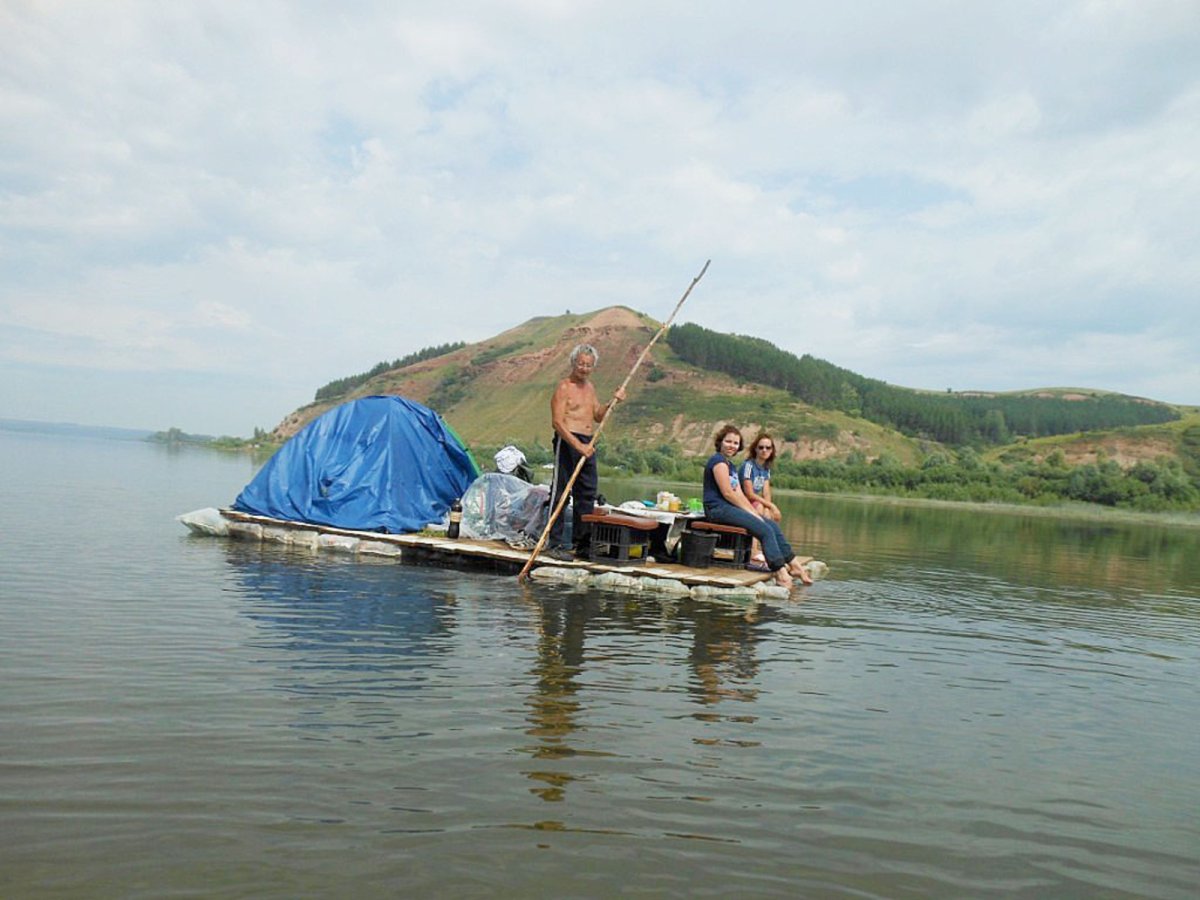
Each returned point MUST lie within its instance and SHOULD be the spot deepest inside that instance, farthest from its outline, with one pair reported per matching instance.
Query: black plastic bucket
(696, 549)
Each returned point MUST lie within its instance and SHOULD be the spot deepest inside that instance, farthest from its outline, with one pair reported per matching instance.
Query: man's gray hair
(584, 350)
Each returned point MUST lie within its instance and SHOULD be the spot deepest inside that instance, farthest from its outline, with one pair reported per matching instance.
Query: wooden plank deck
(498, 557)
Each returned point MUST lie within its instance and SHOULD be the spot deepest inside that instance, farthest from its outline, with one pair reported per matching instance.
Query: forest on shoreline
(963, 476)
(841, 433)
(955, 419)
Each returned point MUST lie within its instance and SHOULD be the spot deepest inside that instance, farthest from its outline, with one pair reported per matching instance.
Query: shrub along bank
(1161, 486)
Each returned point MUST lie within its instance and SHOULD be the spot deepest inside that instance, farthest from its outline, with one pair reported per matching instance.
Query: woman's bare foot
(800, 572)
(783, 578)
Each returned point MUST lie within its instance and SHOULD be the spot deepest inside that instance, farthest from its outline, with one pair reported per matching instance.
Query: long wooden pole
(566, 491)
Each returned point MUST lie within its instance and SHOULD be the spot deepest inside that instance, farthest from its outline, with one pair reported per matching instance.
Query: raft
(497, 557)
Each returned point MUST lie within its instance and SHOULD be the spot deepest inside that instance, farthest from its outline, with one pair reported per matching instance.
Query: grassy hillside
(497, 391)
(1125, 446)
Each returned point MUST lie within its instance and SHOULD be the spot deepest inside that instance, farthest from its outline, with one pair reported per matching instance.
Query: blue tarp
(382, 464)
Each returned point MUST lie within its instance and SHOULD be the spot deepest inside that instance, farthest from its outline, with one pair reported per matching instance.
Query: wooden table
(673, 524)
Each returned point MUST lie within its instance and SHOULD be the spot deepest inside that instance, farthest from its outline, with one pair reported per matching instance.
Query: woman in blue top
(725, 503)
(756, 483)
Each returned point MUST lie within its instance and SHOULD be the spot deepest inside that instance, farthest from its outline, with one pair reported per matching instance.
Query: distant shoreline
(112, 432)
(1088, 512)
(1082, 511)
(1079, 512)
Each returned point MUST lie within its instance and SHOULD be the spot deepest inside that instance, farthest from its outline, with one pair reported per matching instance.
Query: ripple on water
(959, 710)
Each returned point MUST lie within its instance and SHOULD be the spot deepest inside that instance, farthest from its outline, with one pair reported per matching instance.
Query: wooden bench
(620, 540)
(733, 543)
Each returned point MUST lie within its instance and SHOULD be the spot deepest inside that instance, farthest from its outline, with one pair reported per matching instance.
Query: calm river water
(973, 704)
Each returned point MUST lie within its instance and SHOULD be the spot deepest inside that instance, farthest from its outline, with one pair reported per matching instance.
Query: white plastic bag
(505, 508)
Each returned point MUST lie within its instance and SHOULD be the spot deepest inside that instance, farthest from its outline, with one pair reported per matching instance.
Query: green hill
(497, 391)
(837, 431)
(973, 418)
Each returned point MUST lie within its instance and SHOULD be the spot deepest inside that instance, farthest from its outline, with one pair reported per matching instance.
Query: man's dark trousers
(583, 493)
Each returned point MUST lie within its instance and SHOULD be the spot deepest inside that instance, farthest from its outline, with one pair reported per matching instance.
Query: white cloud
(287, 192)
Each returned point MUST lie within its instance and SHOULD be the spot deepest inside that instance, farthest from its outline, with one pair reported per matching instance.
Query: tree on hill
(948, 419)
(340, 387)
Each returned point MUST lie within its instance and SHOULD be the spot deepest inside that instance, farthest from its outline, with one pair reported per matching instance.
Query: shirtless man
(574, 412)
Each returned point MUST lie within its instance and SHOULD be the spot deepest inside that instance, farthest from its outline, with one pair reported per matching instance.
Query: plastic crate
(620, 540)
(732, 550)
(696, 549)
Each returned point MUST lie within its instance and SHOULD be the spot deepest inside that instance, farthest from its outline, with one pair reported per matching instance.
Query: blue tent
(375, 464)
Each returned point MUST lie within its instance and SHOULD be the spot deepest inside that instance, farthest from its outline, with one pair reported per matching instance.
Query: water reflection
(946, 716)
(355, 615)
(354, 629)
(579, 633)
(871, 536)
(553, 705)
(1024, 548)
(553, 709)
(723, 655)
(348, 636)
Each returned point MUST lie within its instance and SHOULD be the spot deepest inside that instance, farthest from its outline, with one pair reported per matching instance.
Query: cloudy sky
(210, 209)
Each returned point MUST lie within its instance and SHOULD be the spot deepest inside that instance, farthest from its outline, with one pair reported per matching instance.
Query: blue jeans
(775, 546)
